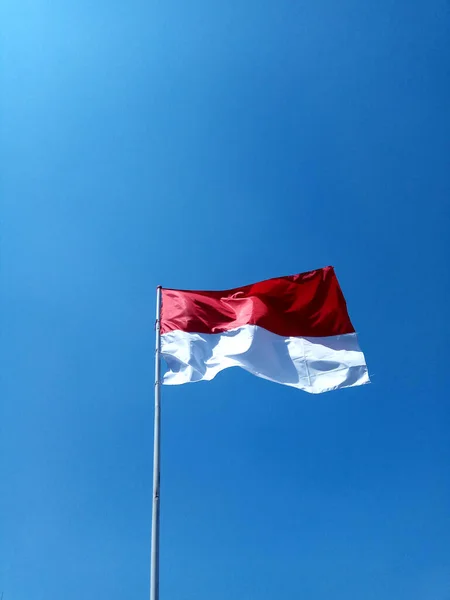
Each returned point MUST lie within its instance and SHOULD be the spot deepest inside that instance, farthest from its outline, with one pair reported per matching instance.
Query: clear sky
(207, 145)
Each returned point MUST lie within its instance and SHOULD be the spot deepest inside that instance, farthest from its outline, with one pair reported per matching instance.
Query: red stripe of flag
(306, 305)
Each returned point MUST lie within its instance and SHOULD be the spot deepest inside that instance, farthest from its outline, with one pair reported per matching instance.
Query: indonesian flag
(291, 330)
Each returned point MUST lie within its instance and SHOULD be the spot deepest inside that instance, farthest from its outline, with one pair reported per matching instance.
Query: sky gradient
(210, 145)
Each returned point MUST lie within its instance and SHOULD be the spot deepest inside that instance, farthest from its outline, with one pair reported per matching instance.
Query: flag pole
(154, 554)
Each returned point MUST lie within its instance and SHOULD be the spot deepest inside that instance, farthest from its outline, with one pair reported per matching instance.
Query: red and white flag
(292, 330)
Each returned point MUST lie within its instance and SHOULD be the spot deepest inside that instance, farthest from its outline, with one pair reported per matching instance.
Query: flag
(292, 330)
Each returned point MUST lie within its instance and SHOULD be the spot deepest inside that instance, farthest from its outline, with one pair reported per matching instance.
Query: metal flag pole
(154, 554)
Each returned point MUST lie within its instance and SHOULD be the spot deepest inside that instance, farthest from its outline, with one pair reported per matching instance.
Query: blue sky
(208, 145)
